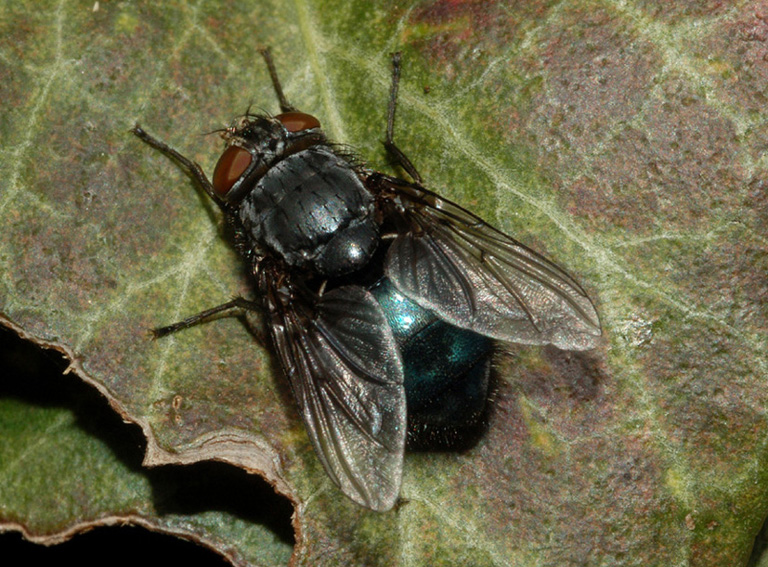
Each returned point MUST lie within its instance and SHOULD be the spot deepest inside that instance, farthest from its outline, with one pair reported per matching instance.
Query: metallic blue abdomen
(446, 371)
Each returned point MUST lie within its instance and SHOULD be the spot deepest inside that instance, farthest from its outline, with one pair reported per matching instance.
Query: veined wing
(346, 374)
(478, 278)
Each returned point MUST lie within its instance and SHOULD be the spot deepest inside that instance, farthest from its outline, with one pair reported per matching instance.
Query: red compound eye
(232, 164)
(298, 121)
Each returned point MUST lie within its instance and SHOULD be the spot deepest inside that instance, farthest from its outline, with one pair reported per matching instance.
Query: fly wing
(477, 278)
(346, 374)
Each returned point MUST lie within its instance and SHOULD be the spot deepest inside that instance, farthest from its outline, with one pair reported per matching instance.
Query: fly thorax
(312, 209)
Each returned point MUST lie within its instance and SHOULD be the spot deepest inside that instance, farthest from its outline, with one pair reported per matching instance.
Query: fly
(318, 229)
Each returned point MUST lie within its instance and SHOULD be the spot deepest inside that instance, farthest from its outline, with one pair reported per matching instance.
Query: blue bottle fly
(380, 296)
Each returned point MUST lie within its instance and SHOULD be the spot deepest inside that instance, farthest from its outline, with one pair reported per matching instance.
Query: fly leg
(237, 306)
(389, 143)
(285, 106)
(191, 168)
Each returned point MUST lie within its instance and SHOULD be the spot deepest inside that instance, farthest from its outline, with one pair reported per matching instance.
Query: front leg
(190, 167)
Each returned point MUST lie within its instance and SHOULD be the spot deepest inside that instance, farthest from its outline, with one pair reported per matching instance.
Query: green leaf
(624, 141)
(69, 464)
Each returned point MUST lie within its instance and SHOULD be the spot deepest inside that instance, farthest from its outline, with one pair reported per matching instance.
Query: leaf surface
(624, 141)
